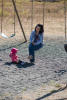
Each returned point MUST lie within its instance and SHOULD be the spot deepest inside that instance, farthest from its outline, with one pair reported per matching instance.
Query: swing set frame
(15, 12)
(32, 5)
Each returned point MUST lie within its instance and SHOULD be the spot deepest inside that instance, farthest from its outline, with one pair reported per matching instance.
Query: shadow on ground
(25, 65)
(62, 99)
(53, 92)
(0, 59)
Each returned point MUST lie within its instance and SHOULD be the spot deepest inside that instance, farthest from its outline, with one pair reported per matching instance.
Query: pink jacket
(13, 55)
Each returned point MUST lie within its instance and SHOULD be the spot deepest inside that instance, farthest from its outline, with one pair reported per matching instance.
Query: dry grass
(53, 18)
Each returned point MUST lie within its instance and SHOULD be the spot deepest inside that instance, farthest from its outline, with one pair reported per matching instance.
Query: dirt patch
(49, 68)
(47, 78)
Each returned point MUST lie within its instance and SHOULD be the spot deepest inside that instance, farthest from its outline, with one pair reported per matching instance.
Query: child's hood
(14, 50)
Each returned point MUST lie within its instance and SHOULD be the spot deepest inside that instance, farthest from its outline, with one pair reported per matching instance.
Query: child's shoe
(22, 63)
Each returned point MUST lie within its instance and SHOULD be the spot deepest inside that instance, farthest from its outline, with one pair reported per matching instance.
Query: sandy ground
(46, 79)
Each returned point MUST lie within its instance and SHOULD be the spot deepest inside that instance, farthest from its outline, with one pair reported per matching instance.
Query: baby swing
(2, 34)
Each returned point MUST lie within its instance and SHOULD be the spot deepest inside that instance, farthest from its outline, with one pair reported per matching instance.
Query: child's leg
(19, 61)
(14, 62)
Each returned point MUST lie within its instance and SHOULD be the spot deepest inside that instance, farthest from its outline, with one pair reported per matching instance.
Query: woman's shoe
(32, 62)
(30, 57)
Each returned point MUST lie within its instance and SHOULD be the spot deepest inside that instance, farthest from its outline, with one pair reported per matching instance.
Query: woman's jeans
(32, 49)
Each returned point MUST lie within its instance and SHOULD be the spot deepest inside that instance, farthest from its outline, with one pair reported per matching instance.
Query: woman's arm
(40, 40)
(32, 37)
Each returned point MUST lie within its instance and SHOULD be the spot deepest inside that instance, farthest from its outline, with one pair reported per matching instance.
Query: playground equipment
(43, 14)
(2, 34)
(33, 14)
(15, 11)
(19, 19)
(29, 13)
(65, 16)
(65, 45)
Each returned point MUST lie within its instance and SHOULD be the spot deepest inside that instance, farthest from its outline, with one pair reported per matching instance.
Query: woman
(36, 41)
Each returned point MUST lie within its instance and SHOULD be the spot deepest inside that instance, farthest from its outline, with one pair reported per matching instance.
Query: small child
(14, 57)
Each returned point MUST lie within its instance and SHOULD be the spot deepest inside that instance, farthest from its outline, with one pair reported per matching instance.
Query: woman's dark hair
(41, 28)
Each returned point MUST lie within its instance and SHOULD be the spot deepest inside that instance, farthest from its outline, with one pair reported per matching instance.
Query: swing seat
(3, 35)
(65, 47)
(12, 35)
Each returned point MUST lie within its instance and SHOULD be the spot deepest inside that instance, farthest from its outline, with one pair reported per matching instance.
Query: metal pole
(43, 12)
(32, 17)
(19, 19)
(14, 19)
(65, 17)
(2, 17)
